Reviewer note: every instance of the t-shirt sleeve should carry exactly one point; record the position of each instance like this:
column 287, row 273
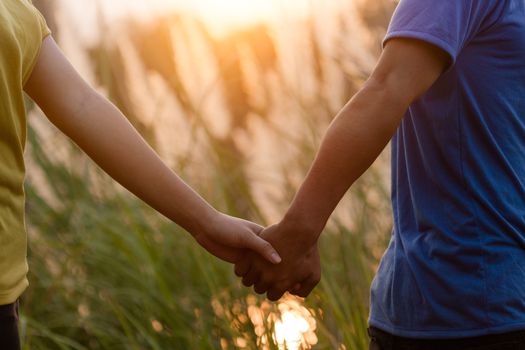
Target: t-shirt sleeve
column 447, row 24
column 42, row 31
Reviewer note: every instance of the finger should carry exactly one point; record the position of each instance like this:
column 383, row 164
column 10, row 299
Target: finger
column 261, row 247
column 275, row 294
column 296, row 288
column 277, row 290
column 308, row 285
column 243, row 266
column 251, row 277
column 299, row 287
column 262, row 286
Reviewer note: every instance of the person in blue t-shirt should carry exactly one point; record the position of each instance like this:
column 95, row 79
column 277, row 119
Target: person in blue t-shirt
column 449, row 92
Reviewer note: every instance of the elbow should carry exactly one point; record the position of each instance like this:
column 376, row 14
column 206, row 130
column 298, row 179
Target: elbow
column 387, row 93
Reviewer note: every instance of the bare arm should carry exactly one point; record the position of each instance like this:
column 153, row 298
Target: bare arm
column 406, row 69
column 358, row 134
column 101, row 130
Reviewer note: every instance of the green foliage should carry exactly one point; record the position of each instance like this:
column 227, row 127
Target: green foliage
column 107, row 272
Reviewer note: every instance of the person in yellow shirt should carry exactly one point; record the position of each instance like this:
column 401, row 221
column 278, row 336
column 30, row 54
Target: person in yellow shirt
column 31, row 61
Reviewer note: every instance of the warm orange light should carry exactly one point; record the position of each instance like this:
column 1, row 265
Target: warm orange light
column 225, row 15
column 221, row 16
column 294, row 325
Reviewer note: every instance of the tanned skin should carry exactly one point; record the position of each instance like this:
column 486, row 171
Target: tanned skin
column 104, row 134
column 406, row 69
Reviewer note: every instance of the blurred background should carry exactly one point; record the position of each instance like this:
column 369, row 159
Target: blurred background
column 235, row 95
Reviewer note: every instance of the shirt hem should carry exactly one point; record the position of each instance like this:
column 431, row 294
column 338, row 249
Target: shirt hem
column 426, row 37
column 34, row 60
column 445, row 334
column 9, row 297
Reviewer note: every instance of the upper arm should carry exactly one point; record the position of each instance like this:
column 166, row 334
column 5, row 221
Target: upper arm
column 407, row 68
column 55, row 85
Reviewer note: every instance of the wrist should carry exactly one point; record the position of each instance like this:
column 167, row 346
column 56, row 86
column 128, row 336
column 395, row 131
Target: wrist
column 307, row 226
column 203, row 221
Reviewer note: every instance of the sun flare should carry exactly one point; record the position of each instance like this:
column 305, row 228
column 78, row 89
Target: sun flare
column 226, row 15
column 221, row 16
column 235, row 10
column 294, row 325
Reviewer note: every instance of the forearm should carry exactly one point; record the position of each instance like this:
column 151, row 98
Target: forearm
column 353, row 141
column 101, row 130
column 104, row 134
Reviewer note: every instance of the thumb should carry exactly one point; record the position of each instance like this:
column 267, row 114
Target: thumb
column 262, row 247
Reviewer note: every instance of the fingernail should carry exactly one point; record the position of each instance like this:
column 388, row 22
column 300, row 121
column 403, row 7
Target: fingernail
column 275, row 258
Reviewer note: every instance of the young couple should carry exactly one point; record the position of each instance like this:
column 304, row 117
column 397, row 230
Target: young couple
column 448, row 91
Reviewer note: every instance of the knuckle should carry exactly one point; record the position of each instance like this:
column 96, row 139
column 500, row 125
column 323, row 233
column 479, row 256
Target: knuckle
column 247, row 282
column 316, row 280
column 261, row 286
column 275, row 294
column 273, row 297
column 242, row 240
column 260, row 289
column 303, row 294
column 241, row 268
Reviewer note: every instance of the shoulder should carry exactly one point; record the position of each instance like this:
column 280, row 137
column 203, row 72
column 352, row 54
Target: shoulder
column 23, row 27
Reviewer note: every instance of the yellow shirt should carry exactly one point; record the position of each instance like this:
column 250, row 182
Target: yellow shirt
column 22, row 29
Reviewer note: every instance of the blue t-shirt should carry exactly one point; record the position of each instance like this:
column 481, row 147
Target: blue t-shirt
column 455, row 265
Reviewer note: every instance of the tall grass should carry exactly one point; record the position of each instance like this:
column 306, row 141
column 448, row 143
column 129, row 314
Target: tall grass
column 107, row 272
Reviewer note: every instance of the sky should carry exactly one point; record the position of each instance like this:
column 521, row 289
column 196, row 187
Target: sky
column 221, row 16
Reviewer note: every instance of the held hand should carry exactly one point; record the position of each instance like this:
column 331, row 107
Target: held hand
column 228, row 238
column 299, row 272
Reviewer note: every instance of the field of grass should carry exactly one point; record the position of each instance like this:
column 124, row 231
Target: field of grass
column 107, row 272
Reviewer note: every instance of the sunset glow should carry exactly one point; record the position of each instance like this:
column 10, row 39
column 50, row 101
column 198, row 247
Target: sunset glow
column 220, row 16
column 229, row 14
